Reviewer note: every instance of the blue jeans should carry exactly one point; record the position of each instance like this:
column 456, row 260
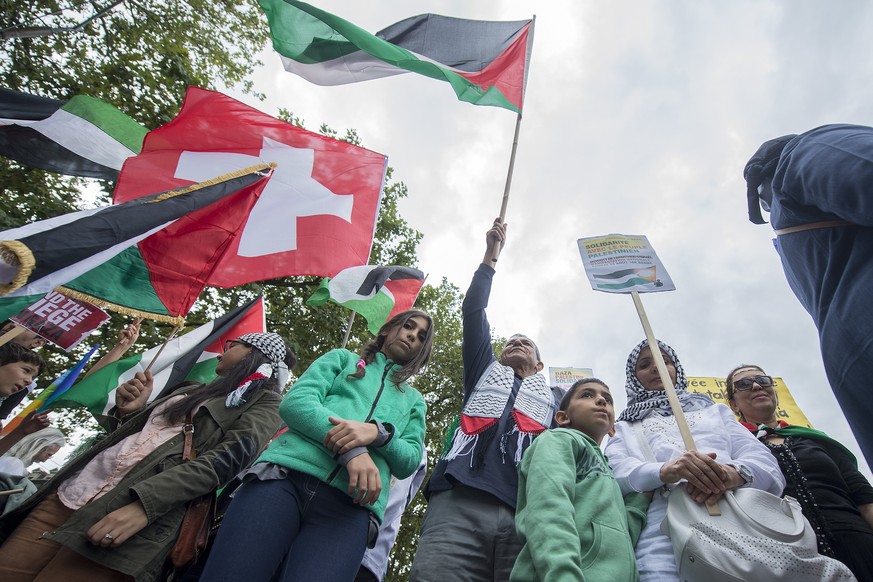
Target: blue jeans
column 298, row 528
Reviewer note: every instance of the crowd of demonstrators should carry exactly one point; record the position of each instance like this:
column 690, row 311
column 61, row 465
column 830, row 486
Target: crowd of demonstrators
column 647, row 453
column 571, row 517
column 819, row 472
column 353, row 421
column 113, row 512
column 521, row 492
column 468, row 532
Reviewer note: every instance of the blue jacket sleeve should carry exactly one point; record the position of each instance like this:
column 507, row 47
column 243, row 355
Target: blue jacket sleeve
column 476, row 348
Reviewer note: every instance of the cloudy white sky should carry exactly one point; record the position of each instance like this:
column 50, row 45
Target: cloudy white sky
column 639, row 118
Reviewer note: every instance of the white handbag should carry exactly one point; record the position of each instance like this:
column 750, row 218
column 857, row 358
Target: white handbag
column 758, row 536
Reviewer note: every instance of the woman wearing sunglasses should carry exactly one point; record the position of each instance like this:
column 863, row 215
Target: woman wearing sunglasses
column 820, row 472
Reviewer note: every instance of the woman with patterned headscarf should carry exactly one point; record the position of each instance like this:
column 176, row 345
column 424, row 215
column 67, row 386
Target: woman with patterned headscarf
column 114, row 512
column 647, row 453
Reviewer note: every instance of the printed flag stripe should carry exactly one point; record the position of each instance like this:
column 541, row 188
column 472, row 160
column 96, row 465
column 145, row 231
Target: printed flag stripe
column 82, row 137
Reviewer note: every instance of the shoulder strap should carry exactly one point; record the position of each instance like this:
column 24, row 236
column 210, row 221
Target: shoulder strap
column 188, row 452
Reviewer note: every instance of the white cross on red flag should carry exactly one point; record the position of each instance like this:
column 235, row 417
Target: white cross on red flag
column 317, row 214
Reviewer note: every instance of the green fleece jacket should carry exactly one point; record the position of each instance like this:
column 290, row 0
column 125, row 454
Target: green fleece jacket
column 571, row 518
column 326, row 390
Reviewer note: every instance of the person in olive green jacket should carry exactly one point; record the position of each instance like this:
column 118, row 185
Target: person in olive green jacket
column 571, row 518
column 114, row 512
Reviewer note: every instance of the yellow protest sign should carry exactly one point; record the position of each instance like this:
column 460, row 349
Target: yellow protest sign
column 564, row 377
column 716, row 388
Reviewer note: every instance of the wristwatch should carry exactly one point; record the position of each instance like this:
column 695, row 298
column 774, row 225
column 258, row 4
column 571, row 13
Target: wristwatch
column 744, row 472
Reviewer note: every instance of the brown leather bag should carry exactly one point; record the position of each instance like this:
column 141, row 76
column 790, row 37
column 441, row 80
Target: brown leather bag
column 194, row 534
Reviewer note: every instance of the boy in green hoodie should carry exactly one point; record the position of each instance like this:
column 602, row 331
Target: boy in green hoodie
column 571, row 517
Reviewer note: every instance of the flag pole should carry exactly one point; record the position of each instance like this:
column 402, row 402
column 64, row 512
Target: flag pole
column 670, row 390
column 158, row 355
column 348, row 329
column 11, row 334
column 511, row 168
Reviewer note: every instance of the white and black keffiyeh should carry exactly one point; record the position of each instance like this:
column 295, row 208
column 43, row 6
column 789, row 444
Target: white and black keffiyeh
column 642, row 403
column 271, row 345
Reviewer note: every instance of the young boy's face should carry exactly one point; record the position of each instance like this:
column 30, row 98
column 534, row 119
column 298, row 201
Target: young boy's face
column 16, row 376
column 590, row 410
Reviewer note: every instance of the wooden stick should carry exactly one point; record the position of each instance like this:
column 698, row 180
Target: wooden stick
column 11, row 491
column 495, row 248
column 348, row 329
column 672, row 397
column 11, row 335
column 158, row 355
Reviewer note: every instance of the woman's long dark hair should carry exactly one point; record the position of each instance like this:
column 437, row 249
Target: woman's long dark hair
column 225, row 384
column 413, row 366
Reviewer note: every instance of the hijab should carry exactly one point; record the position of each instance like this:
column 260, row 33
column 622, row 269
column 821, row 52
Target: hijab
column 642, row 403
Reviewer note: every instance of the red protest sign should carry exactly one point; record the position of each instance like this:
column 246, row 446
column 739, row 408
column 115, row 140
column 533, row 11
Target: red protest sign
column 60, row 319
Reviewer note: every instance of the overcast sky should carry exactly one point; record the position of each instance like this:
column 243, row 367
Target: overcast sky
column 639, row 118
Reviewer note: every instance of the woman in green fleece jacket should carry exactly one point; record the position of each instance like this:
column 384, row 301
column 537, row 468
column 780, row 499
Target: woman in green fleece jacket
column 306, row 508
column 571, row 518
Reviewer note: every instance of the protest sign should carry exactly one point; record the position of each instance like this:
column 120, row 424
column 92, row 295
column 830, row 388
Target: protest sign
column 62, row 320
column 618, row 263
column 563, row 378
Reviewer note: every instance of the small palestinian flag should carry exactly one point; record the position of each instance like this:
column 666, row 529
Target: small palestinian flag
column 80, row 137
column 191, row 356
column 377, row 293
column 624, row 278
column 484, row 61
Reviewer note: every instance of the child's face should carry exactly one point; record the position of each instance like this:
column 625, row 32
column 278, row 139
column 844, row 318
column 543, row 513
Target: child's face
column 591, row 411
column 16, row 376
column 403, row 342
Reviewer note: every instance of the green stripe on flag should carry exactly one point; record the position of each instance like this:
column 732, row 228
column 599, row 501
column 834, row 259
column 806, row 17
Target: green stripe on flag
column 109, row 119
column 123, row 282
column 203, row 371
column 9, row 306
column 93, row 391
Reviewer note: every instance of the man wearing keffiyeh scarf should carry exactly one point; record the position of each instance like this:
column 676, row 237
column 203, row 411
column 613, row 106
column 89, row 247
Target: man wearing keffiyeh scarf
column 469, row 529
column 817, row 187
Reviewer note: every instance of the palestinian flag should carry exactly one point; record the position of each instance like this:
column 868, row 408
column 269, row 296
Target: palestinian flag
column 107, row 256
column 486, row 62
column 626, row 278
column 377, row 293
column 317, row 213
column 80, row 137
column 187, row 357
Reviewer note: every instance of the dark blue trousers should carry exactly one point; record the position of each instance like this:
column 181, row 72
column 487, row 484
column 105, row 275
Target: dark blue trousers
column 294, row 529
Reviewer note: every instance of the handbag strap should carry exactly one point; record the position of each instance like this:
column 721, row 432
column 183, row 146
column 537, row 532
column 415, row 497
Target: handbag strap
column 188, row 452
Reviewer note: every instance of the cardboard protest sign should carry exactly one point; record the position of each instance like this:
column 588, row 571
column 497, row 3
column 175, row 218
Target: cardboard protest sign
column 563, row 378
column 62, row 320
column 618, row 263
column 716, row 388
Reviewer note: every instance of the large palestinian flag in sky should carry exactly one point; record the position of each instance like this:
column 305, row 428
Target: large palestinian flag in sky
column 484, row 61
column 80, row 137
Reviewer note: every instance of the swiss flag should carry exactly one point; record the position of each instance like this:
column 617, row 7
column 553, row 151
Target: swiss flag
column 317, row 214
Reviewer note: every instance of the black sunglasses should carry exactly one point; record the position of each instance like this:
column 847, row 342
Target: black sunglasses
column 746, row 383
